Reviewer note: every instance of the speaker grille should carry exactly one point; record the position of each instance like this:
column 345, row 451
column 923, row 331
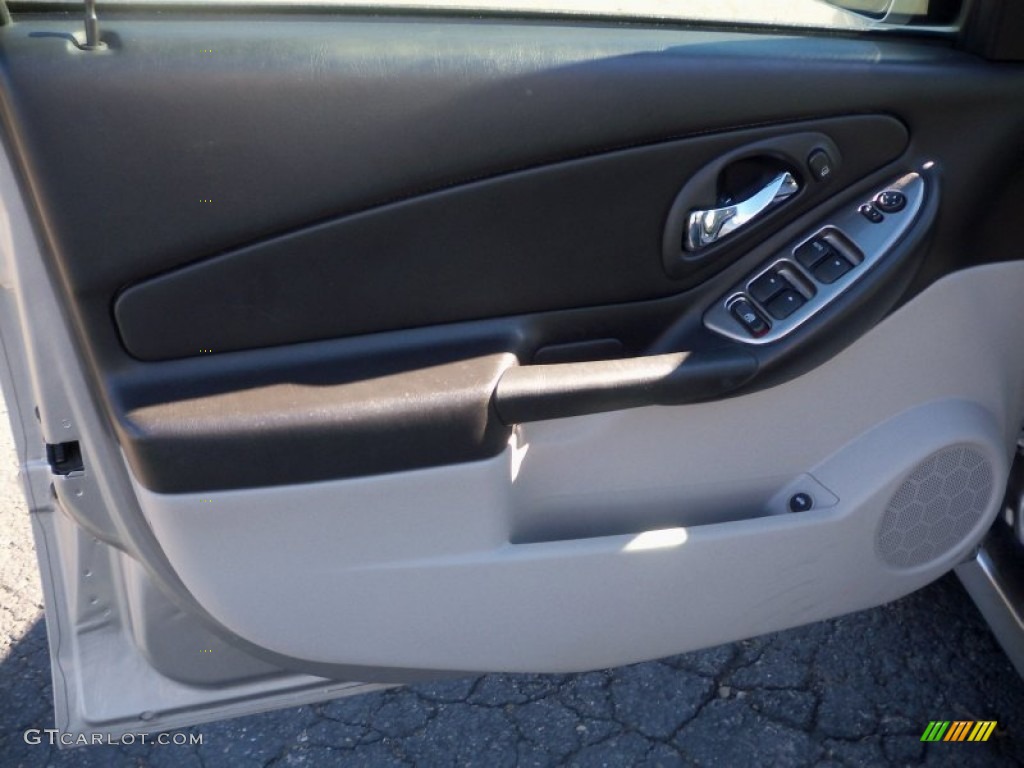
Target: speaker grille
column 936, row 507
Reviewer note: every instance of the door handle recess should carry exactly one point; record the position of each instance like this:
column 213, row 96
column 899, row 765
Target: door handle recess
column 538, row 392
column 706, row 227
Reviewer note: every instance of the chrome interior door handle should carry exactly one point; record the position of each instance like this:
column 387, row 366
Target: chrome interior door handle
column 707, row 227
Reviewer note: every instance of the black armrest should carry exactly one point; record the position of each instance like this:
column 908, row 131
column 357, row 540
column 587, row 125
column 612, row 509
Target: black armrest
column 537, row 392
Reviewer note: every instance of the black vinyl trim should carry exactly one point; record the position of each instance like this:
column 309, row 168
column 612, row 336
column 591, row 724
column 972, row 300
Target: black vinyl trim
column 579, row 233
column 538, row 392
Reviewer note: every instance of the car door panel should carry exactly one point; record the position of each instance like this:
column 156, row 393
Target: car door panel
column 372, row 349
column 578, row 543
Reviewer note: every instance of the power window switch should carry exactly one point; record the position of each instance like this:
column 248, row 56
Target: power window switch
column 767, row 286
column 831, row 269
column 785, row 304
column 813, row 251
column 749, row 317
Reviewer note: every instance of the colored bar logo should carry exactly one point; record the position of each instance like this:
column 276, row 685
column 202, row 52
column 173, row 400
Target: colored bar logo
column 958, row 730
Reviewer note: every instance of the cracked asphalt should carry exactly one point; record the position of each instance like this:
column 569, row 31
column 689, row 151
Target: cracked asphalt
column 855, row 691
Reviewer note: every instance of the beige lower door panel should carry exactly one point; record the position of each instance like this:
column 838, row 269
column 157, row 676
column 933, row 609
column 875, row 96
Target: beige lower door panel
column 607, row 539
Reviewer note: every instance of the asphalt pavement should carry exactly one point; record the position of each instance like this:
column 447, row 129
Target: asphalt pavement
column 855, row 691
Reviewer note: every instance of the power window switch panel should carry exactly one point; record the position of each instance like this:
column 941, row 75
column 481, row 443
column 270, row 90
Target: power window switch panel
column 785, row 304
column 749, row 317
column 831, row 269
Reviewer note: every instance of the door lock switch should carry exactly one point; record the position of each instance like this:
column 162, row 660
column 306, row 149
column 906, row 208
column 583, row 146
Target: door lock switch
column 767, row 286
column 821, row 165
column 872, row 214
column 831, row 269
column 785, row 304
column 749, row 317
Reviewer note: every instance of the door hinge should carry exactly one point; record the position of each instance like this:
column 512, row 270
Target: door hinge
column 64, row 458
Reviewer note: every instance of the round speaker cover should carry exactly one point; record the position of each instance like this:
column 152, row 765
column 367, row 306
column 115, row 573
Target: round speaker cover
column 937, row 506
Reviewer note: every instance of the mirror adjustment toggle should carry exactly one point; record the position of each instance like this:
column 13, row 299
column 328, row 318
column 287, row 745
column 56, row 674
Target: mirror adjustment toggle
column 891, row 201
column 785, row 304
column 743, row 311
